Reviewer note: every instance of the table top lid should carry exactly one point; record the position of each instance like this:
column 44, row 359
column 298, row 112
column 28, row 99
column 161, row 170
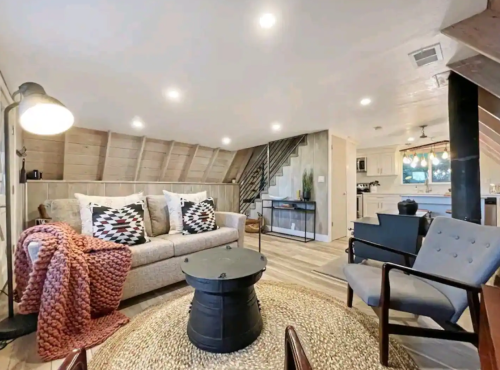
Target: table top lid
column 223, row 263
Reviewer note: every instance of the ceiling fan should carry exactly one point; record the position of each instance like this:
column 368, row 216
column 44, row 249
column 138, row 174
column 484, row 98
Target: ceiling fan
column 423, row 136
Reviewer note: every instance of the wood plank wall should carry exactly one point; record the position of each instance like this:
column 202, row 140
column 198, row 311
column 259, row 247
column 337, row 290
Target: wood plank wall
column 94, row 155
column 225, row 195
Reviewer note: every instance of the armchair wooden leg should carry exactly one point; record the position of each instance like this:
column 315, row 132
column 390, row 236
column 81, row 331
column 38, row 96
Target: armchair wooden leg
column 349, row 296
column 384, row 336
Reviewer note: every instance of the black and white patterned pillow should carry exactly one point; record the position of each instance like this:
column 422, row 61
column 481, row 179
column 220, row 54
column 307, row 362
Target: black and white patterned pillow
column 124, row 225
column 198, row 217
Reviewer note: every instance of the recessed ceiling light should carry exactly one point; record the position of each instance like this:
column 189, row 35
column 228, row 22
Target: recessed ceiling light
column 267, row 20
column 276, row 126
column 173, row 94
column 365, row 101
column 137, row 123
column 411, row 139
column 226, row 140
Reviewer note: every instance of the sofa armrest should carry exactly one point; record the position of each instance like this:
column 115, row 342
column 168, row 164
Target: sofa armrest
column 235, row 221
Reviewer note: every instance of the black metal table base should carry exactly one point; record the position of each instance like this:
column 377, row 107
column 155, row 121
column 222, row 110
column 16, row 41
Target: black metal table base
column 224, row 322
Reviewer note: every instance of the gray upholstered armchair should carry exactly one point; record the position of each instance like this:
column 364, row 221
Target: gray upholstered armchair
column 455, row 259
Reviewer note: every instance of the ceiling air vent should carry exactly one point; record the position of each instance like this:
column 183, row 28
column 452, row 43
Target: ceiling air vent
column 426, row 55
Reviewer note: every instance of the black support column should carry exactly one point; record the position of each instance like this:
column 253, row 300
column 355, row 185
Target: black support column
column 464, row 149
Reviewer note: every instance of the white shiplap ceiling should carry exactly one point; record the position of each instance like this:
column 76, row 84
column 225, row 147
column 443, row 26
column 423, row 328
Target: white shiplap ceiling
column 110, row 61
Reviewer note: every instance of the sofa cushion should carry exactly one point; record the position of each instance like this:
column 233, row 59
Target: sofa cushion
column 158, row 212
column 156, row 250
column 65, row 210
column 186, row 244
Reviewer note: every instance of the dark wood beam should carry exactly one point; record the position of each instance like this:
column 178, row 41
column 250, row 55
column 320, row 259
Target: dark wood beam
column 479, row 32
column 464, row 149
column 483, row 71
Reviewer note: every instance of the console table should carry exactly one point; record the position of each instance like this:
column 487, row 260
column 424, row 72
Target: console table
column 299, row 206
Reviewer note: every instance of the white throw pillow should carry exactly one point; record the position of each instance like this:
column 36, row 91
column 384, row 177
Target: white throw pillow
column 175, row 209
column 114, row 202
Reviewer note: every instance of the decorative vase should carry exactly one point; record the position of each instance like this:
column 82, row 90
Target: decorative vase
column 306, row 195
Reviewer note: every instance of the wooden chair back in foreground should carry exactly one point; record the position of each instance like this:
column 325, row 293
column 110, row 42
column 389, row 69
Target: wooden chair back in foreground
column 76, row 360
column 295, row 357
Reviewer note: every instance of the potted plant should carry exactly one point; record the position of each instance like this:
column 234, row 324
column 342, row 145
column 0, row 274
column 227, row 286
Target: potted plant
column 307, row 185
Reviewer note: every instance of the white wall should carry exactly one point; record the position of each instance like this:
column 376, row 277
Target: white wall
column 490, row 173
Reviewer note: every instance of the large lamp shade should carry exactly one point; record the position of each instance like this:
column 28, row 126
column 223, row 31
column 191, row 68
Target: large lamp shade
column 40, row 113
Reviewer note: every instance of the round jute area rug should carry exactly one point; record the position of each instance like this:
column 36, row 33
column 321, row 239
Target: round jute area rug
column 334, row 337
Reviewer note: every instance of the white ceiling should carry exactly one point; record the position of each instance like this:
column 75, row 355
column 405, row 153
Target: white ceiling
column 109, row 61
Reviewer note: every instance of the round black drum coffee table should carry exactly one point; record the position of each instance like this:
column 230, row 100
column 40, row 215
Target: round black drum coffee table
column 225, row 314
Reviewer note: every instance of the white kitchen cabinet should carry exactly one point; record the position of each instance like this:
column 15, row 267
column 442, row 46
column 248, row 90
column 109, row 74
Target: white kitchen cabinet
column 371, row 207
column 372, row 204
column 381, row 164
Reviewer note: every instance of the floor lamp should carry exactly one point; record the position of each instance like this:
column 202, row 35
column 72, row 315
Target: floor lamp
column 39, row 114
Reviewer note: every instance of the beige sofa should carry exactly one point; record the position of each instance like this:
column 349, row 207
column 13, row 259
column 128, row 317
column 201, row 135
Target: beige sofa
column 157, row 264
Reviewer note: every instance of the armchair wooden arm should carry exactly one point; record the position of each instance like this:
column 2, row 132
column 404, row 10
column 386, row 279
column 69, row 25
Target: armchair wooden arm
column 295, row 357
column 350, row 250
column 76, row 360
column 472, row 290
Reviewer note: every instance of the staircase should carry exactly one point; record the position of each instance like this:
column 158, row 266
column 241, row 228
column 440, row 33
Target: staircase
column 266, row 163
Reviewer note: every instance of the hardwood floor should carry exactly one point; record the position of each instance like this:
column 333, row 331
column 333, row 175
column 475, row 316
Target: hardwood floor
column 288, row 261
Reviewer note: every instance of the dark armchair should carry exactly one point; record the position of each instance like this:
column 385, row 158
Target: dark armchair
column 455, row 259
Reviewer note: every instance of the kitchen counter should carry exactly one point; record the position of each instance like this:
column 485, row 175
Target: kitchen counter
column 427, row 195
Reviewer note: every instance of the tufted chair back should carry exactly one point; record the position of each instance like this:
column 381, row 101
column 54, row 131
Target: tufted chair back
column 462, row 251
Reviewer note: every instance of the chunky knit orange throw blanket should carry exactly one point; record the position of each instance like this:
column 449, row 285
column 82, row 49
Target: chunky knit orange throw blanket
column 75, row 285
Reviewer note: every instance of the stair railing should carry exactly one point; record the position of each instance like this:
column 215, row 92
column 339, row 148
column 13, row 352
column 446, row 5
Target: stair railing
column 260, row 171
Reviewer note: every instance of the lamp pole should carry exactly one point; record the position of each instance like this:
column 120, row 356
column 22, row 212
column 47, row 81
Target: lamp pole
column 13, row 326
column 40, row 121
column 8, row 207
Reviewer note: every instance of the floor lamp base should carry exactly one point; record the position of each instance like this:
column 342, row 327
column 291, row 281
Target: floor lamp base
column 17, row 326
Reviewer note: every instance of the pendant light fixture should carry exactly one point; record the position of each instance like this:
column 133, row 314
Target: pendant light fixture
column 423, row 163
column 406, row 160
column 445, row 153
column 432, row 155
column 415, row 158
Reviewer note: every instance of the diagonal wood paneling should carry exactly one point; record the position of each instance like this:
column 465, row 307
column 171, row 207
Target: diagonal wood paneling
column 489, row 142
column 85, row 154
column 485, row 150
column 489, row 103
column 210, row 164
column 166, row 160
column 483, row 71
column 479, row 32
